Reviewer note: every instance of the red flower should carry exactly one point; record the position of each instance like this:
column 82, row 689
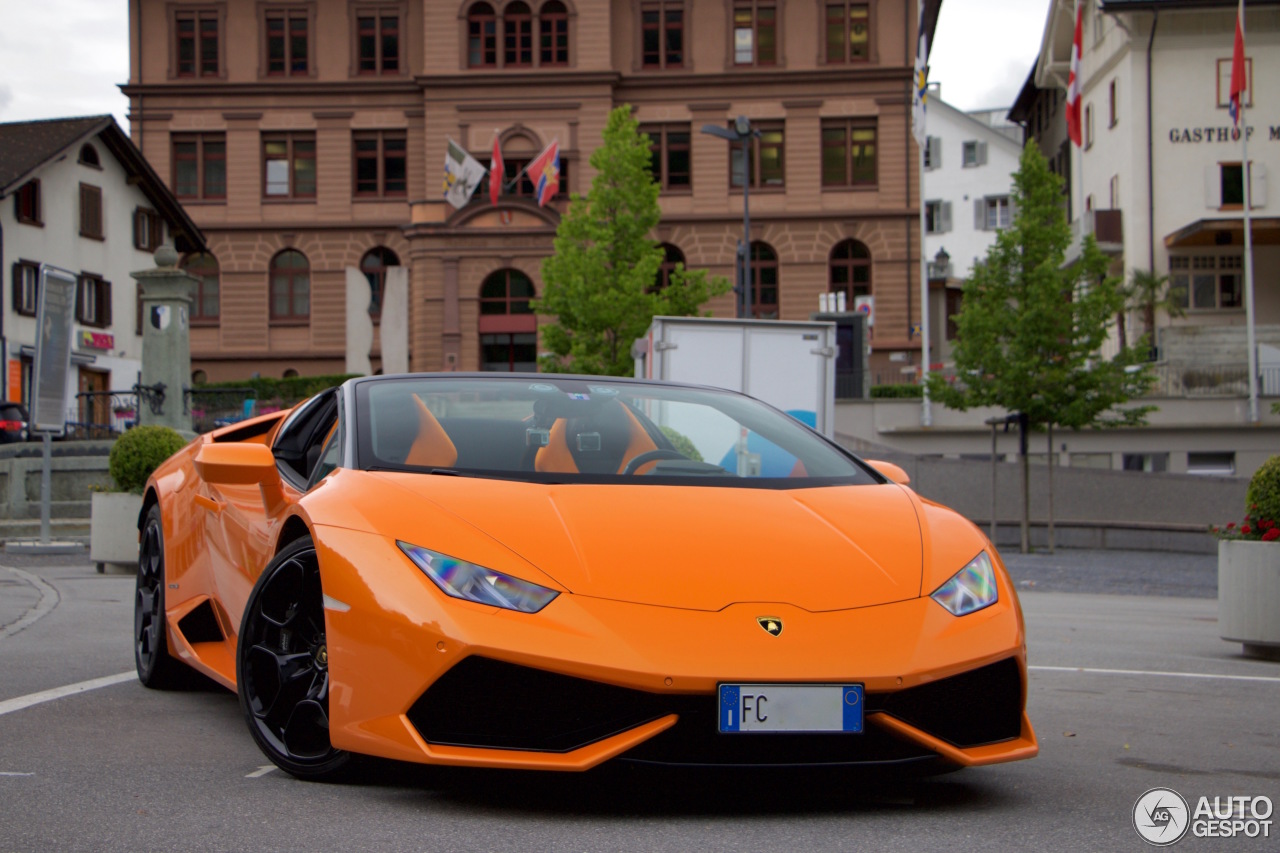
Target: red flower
column 1267, row 525
column 1253, row 506
column 1231, row 525
column 1271, row 535
column 1246, row 529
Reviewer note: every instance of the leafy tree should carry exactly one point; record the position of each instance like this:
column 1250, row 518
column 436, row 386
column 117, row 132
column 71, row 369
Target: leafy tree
column 600, row 282
column 1030, row 329
column 1149, row 293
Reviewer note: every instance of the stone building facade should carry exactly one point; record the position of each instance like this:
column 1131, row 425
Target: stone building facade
column 307, row 137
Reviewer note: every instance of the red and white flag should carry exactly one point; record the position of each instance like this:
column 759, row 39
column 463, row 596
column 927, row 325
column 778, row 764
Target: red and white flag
column 497, row 170
column 1073, row 82
column 1238, row 82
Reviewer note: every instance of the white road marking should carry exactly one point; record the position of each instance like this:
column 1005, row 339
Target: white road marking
column 48, row 601
column 1210, row 675
column 10, row 773
column 8, row 706
column 261, row 771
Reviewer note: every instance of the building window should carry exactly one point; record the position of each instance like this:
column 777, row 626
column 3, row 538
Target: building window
column 1214, row 463
column 662, row 34
column 91, row 212
column 1115, row 192
column 848, row 32
column 1088, row 126
column 1232, row 184
column 380, row 163
column 553, row 34
column 378, row 41
column 524, row 188
column 932, row 153
column 1206, row 282
column 374, row 266
column 508, row 326
column 765, row 164
column 26, row 288
column 848, row 153
column 289, row 165
column 937, row 217
column 517, row 36
column 1113, row 114
column 205, row 301
column 93, row 301
column 954, row 305
column 26, row 203
column 290, row 287
column 482, row 36
column 764, row 281
column 669, row 155
column 672, row 260
column 973, row 153
column 1224, row 83
column 196, row 48
column 755, row 33
column 89, row 157
column 1151, row 463
column 849, row 271
column 148, row 229
column 200, row 166
column 287, row 42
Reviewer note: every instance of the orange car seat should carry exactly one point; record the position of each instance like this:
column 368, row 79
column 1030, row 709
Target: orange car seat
column 621, row 439
column 432, row 447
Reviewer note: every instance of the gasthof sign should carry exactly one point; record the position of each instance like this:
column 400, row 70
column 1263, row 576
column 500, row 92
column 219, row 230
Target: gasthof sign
column 52, row 367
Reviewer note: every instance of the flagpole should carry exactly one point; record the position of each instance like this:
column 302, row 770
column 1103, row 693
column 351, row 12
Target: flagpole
column 926, row 407
column 1248, row 255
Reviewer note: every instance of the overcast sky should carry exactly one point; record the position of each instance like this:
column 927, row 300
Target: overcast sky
column 66, row 57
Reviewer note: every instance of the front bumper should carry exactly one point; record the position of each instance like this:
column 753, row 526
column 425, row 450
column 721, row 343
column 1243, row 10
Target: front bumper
column 417, row 676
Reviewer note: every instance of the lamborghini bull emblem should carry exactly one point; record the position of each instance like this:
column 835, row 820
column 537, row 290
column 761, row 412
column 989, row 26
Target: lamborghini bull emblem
column 771, row 624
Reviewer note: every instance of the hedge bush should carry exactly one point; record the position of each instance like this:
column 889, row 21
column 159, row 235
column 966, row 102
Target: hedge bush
column 1263, row 497
column 139, row 452
column 897, row 391
column 283, row 392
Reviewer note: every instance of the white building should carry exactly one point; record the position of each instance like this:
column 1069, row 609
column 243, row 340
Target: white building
column 969, row 166
column 77, row 194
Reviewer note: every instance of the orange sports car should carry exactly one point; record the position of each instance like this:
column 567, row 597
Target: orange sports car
column 550, row 572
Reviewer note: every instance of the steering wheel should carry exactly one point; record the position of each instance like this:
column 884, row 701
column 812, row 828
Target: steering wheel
column 650, row 456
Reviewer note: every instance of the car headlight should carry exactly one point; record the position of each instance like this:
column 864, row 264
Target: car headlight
column 460, row 579
column 970, row 589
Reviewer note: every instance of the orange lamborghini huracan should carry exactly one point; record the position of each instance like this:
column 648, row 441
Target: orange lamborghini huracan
column 550, row 572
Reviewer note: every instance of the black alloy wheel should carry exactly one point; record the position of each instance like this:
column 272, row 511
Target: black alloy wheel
column 157, row 669
column 282, row 666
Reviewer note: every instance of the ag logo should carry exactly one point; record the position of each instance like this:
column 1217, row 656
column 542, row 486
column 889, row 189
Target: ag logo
column 1161, row 817
column 772, row 624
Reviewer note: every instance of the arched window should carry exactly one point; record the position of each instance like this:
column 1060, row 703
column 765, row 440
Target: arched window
column 517, row 36
column 290, row 287
column 290, row 373
column 89, row 156
column 671, row 257
column 374, row 266
column 205, row 301
column 764, row 281
column 553, row 34
column 199, row 377
column 850, row 271
column 482, row 36
column 508, row 326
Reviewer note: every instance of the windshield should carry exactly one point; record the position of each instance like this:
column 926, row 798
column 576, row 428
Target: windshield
column 555, row 429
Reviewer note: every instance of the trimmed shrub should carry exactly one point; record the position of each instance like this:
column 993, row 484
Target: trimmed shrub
column 139, row 452
column 897, row 391
column 282, row 392
column 1263, row 498
column 682, row 443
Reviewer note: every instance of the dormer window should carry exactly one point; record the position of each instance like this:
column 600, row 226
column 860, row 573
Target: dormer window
column 89, row 157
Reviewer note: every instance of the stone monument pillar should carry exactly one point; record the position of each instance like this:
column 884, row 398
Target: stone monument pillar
column 166, row 342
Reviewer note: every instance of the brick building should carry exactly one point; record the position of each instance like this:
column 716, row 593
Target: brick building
column 307, row 137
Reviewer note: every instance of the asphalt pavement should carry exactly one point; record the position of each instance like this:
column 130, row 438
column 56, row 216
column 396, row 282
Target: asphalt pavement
column 1127, row 692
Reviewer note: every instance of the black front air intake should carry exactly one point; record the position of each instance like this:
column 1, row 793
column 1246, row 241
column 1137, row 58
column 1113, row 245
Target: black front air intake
column 970, row 709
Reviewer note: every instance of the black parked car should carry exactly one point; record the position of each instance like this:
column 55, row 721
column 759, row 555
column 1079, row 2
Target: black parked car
column 13, row 423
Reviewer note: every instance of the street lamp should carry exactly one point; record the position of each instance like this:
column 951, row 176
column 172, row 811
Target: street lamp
column 741, row 132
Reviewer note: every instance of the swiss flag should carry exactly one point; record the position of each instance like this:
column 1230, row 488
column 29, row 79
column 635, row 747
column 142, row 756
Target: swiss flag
column 1073, row 82
column 1238, row 82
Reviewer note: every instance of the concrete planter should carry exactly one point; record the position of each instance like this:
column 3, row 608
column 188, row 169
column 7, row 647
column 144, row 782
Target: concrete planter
column 1249, row 595
column 113, row 528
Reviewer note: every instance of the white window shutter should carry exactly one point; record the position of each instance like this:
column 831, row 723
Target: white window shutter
column 1212, row 187
column 945, row 210
column 935, row 152
column 982, row 153
column 980, row 214
column 1258, row 185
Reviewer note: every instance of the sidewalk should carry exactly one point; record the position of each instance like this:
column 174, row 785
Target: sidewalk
column 1159, row 573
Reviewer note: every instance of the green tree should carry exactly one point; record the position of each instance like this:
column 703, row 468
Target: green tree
column 1148, row 293
column 1030, row 328
column 600, row 283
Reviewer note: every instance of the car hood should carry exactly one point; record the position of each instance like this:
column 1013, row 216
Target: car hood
column 695, row 547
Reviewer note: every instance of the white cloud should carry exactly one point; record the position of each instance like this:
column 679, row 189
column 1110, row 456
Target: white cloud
column 984, row 49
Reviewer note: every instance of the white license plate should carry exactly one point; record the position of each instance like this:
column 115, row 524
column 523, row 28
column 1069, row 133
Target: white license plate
column 790, row 708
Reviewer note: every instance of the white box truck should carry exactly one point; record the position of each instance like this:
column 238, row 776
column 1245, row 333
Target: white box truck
column 789, row 365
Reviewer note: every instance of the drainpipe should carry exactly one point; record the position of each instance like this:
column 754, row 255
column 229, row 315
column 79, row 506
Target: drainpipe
column 1151, row 186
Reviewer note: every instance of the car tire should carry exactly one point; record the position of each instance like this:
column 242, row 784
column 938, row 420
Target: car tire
column 157, row 668
column 282, row 671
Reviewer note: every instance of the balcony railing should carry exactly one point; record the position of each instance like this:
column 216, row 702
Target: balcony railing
column 106, row 414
